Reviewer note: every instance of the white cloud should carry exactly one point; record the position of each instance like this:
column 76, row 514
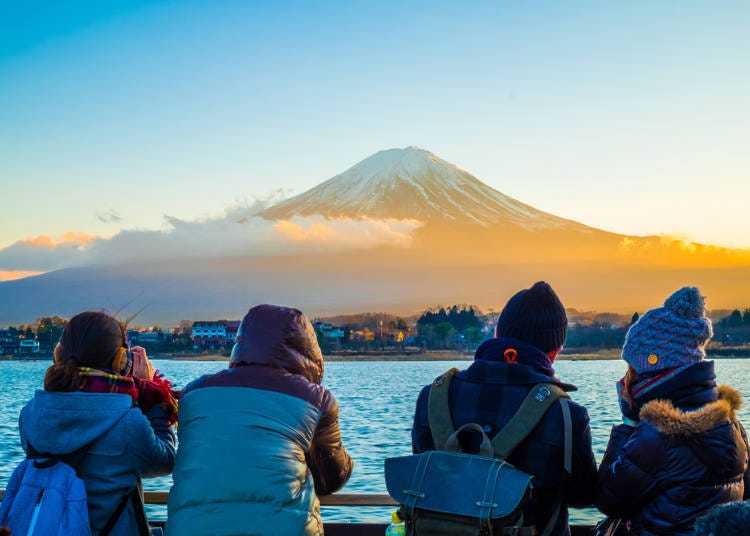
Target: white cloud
column 238, row 233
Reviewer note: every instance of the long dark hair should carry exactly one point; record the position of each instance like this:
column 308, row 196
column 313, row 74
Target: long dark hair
column 627, row 382
column 90, row 339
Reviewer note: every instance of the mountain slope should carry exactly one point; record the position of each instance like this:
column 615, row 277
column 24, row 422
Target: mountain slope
column 412, row 183
column 476, row 245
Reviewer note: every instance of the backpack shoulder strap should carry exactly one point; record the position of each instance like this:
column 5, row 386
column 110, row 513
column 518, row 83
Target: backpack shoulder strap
column 134, row 496
column 567, row 459
column 523, row 422
column 439, row 409
column 72, row 459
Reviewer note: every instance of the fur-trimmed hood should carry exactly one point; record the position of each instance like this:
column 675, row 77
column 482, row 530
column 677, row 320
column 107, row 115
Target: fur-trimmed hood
column 673, row 421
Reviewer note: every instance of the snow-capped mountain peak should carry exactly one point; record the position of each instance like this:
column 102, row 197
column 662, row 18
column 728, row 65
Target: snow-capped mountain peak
column 412, row 183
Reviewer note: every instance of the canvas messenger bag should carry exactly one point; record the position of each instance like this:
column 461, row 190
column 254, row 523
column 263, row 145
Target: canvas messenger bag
column 448, row 492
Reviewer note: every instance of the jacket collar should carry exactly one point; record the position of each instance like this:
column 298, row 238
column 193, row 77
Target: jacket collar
column 672, row 421
column 530, row 366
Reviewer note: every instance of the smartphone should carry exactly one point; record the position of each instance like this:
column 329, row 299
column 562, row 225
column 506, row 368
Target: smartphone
column 127, row 370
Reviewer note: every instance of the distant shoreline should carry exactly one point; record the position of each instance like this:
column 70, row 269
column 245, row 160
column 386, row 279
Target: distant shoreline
column 416, row 356
column 358, row 357
column 599, row 355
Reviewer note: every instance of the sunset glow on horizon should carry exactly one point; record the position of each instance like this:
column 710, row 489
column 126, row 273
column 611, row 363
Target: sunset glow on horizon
column 14, row 275
column 631, row 118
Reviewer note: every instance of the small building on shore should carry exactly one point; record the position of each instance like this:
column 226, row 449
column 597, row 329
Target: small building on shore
column 28, row 347
column 213, row 334
column 9, row 342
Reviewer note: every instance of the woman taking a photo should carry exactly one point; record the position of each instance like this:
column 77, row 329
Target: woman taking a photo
column 110, row 409
column 680, row 449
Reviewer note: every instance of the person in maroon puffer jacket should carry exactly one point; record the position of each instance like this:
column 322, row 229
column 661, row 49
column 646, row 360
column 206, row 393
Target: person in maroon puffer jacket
column 259, row 441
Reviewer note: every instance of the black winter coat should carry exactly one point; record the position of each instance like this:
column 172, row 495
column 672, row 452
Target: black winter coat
column 489, row 393
column 674, row 465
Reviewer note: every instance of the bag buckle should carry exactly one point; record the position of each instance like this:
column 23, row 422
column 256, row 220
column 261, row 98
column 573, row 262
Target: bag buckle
column 440, row 380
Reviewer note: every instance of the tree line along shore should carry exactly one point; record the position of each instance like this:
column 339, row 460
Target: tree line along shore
column 438, row 333
column 445, row 355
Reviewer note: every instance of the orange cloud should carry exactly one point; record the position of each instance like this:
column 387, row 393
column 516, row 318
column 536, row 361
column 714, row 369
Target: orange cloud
column 12, row 275
column 347, row 232
column 70, row 237
column 315, row 232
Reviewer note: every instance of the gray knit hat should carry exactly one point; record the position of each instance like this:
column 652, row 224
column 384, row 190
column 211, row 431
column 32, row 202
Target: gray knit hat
column 669, row 336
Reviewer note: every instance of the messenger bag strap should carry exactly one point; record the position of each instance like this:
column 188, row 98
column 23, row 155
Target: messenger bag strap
column 531, row 411
column 415, row 492
column 552, row 521
column 488, row 497
column 567, row 461
column 439, row 409
column 567, row 436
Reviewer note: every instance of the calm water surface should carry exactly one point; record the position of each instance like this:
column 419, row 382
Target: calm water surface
column 376, row 401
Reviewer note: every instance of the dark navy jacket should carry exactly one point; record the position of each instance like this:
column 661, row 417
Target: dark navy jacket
column 674, row 465
column 489, row 393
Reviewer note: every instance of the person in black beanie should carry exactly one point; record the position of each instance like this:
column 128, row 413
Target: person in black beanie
column 530, row 332
column 536, row 316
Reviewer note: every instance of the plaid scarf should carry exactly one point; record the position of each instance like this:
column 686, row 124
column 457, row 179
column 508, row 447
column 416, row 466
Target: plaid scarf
column 106, row 381
column 157, row 392
column 146, row 394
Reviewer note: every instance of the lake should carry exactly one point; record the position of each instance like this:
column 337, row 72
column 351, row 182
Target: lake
column 376, row 400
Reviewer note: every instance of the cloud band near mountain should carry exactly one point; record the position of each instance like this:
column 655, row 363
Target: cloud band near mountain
column 221, row 237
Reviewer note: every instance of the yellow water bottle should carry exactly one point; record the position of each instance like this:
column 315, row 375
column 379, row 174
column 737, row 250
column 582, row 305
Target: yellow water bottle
column 397, row 527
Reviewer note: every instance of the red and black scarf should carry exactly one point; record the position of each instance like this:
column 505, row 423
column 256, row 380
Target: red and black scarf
column 145, row 393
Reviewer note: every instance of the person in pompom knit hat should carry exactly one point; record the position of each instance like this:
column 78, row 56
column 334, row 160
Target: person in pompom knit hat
column 530, row 332
column 680, row 449
column 725, row 520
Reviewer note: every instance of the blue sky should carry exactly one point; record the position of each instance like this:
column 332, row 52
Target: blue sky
column 629, row 116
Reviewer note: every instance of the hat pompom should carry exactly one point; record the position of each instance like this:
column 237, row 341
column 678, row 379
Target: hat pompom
column 687, row 303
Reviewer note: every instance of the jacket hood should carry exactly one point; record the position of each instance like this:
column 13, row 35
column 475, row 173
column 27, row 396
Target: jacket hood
column 712, row 433
column 61, row 423
column 672, row 421
column 279, row 337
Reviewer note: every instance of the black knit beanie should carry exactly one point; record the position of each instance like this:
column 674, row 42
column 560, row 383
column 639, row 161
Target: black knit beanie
column 535, row 316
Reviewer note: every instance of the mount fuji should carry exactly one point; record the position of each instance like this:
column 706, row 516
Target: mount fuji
column 468, row 243
column 413, row 183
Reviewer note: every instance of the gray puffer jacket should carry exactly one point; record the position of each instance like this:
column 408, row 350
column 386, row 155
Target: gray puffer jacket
column 260, row 441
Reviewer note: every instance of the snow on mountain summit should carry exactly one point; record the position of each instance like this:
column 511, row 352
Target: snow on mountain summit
column 412, row 183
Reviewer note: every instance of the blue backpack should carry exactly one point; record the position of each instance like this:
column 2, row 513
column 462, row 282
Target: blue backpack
column 46, row 497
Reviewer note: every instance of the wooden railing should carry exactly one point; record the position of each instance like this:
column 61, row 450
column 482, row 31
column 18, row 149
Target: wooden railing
column 339, row 499
column 332, row 529
column 345, row 499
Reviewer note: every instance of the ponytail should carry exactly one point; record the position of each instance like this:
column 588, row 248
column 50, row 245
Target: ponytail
column 62, row 377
